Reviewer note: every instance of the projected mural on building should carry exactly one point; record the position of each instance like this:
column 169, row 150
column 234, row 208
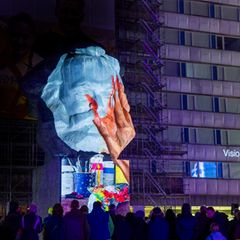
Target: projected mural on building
column 91, row 115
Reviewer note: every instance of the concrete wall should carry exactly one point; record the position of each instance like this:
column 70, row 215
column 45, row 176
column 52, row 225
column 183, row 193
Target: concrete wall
column 46, row 185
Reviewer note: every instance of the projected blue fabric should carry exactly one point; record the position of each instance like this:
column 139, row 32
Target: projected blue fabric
column 87, row 71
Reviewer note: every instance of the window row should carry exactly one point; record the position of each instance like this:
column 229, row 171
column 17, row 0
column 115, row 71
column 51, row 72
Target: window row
column 187, row 102
column 202, row 71
column 199, row 169
column 203, row 136
column 204, row 9
column 203, row 103
column 201, row 39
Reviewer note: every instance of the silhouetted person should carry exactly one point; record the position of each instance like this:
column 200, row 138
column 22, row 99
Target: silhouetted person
column 219, row 218
column 75, row 226
column 202, row 228
column 122, row 228
column 186, row 224
column 31, row 224
column 98, row 221
column 234, row 226
column 84, row 209
column 12, row 222
column 46, row 219
column 141, row 226
column 215, row 233
column 171, row 219
column 131, row 220
column 53, row 229
column 158, row 228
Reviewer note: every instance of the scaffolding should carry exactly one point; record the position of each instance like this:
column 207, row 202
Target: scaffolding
column 141, row 51
column 19, row 155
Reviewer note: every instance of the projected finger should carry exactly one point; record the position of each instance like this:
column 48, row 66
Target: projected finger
column 118, row 109
column 124, row 103
column 122, row 95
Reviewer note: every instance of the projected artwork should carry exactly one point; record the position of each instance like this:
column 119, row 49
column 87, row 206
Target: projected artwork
column 204, row 170
column 92, row 178
column 91, row 115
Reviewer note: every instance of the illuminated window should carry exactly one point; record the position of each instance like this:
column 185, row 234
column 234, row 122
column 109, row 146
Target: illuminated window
column 203, row 169
column 219, row 170
column 224, row 170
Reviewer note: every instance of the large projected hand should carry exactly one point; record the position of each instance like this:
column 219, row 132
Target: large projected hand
column 116, row 127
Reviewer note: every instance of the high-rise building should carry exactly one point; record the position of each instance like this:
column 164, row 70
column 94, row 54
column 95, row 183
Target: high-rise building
column 181, row 65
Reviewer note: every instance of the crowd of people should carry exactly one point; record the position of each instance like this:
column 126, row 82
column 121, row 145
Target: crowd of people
column 119, row 224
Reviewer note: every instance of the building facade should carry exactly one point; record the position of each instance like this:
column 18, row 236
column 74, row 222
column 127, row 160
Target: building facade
column 182, row 70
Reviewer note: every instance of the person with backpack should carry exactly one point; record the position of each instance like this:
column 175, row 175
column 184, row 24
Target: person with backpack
column 53, row 229
column 31, row 224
